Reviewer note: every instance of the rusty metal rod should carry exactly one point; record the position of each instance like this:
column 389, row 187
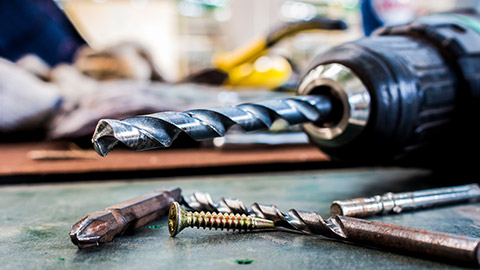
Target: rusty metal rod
column 405, row 201
column 440, row 245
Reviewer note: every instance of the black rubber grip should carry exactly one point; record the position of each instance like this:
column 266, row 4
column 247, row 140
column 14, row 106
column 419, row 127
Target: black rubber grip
column 432, row 105
column 413, row 96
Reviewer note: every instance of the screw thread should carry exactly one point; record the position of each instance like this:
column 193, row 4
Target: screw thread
column 179, row 219
column 220, row 221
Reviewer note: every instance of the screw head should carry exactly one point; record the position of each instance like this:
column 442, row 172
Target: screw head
column 176, row 219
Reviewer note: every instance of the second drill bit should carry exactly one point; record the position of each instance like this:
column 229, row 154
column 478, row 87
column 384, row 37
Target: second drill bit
column 445, row 246
column 160, row 129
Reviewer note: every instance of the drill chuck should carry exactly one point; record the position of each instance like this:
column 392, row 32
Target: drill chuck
column 393, row 93
column 402, row 94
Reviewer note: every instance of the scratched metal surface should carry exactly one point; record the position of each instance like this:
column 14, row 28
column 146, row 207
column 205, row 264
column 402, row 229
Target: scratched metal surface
column 35, row 221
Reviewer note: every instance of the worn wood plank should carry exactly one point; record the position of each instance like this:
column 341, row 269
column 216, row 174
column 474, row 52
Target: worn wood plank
column 15, row 160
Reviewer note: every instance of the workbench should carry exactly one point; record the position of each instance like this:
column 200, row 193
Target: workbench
column 35, row 221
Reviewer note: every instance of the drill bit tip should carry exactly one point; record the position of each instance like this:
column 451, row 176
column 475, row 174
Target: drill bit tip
column 107, row 135
column 100, row 147
column 102, row 141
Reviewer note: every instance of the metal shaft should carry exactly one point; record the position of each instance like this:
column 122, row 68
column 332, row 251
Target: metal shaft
column 443, row 246
column 406, row 201
column 160, row 129
column 446, row 246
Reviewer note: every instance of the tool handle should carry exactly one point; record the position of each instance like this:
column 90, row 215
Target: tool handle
column 445, row 246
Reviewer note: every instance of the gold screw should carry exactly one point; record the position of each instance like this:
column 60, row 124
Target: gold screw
column 179, row 219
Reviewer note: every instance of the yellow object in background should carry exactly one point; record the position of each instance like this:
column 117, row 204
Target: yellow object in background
column 251, row 65
column 266, row 71
column 228, row 60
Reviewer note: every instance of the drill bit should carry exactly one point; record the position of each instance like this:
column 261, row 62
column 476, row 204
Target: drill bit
column 160, row 129
column 451, row 247
column 405, row 201
column 102, row 226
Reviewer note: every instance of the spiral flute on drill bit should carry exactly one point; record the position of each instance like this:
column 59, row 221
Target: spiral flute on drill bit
column 307, row 222
column 444, row 246
column 161, row 129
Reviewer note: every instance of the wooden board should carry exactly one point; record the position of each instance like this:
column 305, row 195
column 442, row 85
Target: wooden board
column 15, row 159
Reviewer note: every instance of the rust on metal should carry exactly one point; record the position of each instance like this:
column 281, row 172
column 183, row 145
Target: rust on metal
column 423, row 243
column 452, row 247
column 102, row 226
column 406, row 201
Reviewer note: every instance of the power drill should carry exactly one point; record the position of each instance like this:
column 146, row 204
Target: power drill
column 407, row 94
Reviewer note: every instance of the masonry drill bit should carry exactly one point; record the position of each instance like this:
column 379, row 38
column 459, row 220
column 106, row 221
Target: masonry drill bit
column 159, row 130
column 102, row 226
column 444, row 246
column 405, row 201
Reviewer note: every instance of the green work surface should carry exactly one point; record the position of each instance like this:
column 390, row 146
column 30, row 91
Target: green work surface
column 35, row 222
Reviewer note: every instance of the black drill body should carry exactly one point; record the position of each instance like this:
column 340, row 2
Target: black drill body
column 424, row 85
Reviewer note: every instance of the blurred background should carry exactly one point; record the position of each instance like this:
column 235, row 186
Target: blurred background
column 183, row 35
